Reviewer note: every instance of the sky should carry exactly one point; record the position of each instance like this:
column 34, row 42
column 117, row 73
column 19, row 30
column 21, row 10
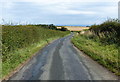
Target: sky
column 58, row 12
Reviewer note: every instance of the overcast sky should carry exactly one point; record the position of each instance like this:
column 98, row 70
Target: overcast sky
column 59, row 12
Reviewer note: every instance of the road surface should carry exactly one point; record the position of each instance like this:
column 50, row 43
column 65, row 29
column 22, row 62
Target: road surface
column 60, row 60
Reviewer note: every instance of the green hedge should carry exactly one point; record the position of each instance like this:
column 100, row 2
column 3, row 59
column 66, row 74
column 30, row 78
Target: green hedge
column 17, row 37
column 108, row 32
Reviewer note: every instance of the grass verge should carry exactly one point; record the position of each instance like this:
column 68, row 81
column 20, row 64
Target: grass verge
column 107, row 55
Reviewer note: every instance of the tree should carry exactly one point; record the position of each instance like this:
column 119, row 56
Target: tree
column 64, row 29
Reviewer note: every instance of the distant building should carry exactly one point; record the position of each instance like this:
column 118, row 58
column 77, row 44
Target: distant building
column 119, row 10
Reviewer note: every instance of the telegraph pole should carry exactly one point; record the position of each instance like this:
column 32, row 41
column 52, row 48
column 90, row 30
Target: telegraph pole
column 119, row 10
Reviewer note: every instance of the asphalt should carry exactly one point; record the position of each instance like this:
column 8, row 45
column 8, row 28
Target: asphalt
column 60, row 60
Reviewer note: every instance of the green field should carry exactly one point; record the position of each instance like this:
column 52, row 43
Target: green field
column 20, row 42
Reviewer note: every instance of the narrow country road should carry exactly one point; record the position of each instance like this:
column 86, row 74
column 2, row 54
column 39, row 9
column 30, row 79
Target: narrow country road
column 60, row 60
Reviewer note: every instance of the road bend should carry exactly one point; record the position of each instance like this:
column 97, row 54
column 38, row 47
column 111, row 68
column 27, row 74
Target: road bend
column 60, row 60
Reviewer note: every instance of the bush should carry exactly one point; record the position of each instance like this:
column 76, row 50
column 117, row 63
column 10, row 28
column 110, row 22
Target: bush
column 63, row 29
column 17, row 37
column 108, row 32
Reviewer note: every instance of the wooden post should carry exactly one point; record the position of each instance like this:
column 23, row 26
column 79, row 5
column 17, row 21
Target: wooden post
column 119, row 11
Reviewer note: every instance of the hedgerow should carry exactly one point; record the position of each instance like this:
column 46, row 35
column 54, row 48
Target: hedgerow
column 108, row 32
column 17, row 37
column 102, row 43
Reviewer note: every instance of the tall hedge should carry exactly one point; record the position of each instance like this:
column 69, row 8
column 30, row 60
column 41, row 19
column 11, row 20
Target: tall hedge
column 16, row 37
column 108, row 32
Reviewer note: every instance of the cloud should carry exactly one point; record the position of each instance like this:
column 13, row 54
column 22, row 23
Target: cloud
column 48, row 2
column 7, row 4
column 64, row 9
column 54, row 1
column 76, row 12
column 73, row 12
column 60, row 11
column 54, row 6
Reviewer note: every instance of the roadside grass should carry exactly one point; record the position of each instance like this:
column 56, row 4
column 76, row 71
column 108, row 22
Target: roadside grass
column 107, row 55
column 19, row 56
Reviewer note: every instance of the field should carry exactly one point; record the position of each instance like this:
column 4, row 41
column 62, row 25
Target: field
column 75, row 28
column 20, row 42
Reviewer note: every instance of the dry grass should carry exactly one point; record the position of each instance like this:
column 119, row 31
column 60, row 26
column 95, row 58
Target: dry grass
column 74, row 28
